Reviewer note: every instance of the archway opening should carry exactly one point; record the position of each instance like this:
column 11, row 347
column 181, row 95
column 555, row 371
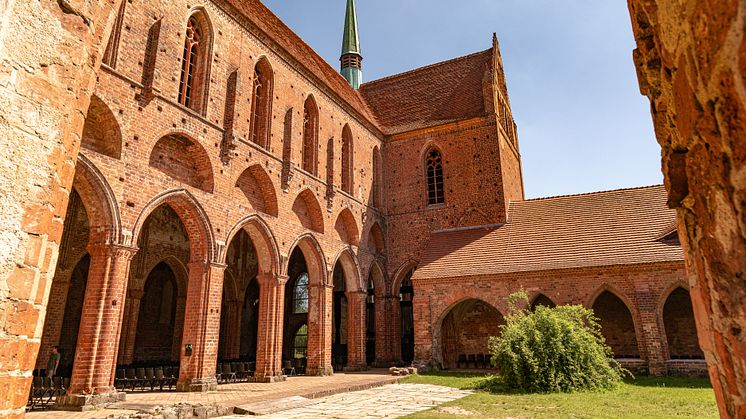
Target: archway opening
column 295, row 339
column 542, row 300
column 465, row 334
column 340, row 319
column 239, row 319
column 406, row 296
column 617, row 325
column 154, row 342
column 67, row 293
column 681, row 329
column 156, row 287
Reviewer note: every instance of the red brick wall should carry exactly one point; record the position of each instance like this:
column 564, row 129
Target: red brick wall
column 642, row 288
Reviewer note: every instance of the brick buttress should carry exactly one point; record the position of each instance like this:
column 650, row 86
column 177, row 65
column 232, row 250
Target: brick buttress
column 271, row 310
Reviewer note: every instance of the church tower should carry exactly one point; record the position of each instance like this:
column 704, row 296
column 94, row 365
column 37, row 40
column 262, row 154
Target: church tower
column 352, row 61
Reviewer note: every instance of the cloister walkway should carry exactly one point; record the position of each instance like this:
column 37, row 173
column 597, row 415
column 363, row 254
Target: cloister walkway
column 237, row 394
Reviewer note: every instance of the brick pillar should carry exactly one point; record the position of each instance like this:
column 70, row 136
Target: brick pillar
column 385, row 330
column 423, row 328
column 49, row 57
column 234, row 349
column 651, row 340
column 201, row 327
column 320, row 329
column 178, row 328
column 271, row 319
column 356, row 331
column 92, row 382
column 129, row 327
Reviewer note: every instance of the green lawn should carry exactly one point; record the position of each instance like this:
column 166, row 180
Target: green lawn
column 643, row 397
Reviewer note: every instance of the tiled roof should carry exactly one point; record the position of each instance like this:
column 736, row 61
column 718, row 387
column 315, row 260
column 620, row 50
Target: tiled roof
column 275, row 29
column 619, row 227
column 429, row 96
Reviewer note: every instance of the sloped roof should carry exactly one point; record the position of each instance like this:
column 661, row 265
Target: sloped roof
column 279, row 32
column 429, row 96
column 619, row 227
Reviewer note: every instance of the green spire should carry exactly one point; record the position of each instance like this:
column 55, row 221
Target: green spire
column 352, row 61
column 351, row 39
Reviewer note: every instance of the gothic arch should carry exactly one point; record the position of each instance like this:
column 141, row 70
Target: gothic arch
column 541, row 299
column 314, row 257
column 679, row 325
column 376, row 240
column 186, row 206
column 618, row 324
column 346, row 228
column 257, row 187
column 99, row 201
column 101, row 132
column 348, row 161
column 263, row 240
column 310, row 149
column 346, row 258
column 376, row 272
column 196, row 73
column 306, row 207
column 452, row 338
column 261, row 103
column 183, row 159
column 400, row 273
column 178, row 268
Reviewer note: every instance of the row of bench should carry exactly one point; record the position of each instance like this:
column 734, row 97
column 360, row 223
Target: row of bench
column 470, row 361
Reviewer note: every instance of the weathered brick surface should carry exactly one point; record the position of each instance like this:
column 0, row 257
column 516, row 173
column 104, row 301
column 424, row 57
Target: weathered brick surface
column 176, row 186
column 691, row 61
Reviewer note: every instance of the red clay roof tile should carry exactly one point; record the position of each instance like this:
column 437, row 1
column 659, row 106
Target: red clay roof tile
column 600, row 229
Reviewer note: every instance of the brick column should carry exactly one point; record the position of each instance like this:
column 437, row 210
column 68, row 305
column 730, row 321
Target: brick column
column 271, row 319
column 385, row 330
column 234, row 329
column 129, row 327
column 92, row 381
column 201, row 327
column 320, row 330
column 356, row 331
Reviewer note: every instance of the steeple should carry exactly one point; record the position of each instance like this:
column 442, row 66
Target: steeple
column 352, row 61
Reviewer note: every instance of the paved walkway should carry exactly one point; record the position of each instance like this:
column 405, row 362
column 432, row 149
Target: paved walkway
column 238, row 394
column 390, row 401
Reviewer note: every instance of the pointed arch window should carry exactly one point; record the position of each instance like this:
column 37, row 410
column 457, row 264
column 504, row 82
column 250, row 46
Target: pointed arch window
column 434, row 175
column 376, row 185
column 261, row 103
column 195, row 63
column 310, row 136
column 347, row 160
column 300, row 295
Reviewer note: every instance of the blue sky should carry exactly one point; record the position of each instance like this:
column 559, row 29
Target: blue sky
column 583, row 125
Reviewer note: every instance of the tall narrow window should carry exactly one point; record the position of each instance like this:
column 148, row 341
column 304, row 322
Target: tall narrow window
column 195, row 62
column 310, row 136
column 376, row 185
column 112, row 48
column 261, row 103
column 300, row 343
column 434, row 173
column 347, row 160
column 300, row 295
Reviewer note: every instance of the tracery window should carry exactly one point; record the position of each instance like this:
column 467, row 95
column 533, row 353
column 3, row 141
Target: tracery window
column 434, row 174
column 261, row 104
column 300, row 295
column 310, row 136
column 194, row 64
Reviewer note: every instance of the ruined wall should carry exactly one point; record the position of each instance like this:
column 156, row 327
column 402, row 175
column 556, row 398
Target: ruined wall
column 49, row 53
column 691, row 61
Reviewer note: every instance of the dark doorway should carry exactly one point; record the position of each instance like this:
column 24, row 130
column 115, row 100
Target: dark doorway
column 370, row 323
column 155, row 328
column 406, row 295
column 339, row 320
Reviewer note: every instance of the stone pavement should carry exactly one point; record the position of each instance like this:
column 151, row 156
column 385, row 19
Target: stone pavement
column 390, row 401
column 238, row 394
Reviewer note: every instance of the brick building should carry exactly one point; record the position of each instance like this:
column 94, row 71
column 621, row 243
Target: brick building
column 235, row 197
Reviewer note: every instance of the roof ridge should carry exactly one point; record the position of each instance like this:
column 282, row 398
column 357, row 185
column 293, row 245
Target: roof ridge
column 633, row 188
column 426, row 67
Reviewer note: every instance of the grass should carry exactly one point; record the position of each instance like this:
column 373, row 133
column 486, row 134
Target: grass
column 643, row 397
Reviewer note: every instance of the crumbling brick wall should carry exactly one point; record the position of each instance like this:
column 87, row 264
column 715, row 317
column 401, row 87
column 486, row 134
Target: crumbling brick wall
column 691, row 61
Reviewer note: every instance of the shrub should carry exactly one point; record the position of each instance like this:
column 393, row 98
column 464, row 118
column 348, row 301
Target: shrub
column 557, row 349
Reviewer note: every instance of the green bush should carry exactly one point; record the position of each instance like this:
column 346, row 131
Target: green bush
column 553, row 350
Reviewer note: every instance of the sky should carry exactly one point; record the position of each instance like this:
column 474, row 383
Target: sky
column 583, row 125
